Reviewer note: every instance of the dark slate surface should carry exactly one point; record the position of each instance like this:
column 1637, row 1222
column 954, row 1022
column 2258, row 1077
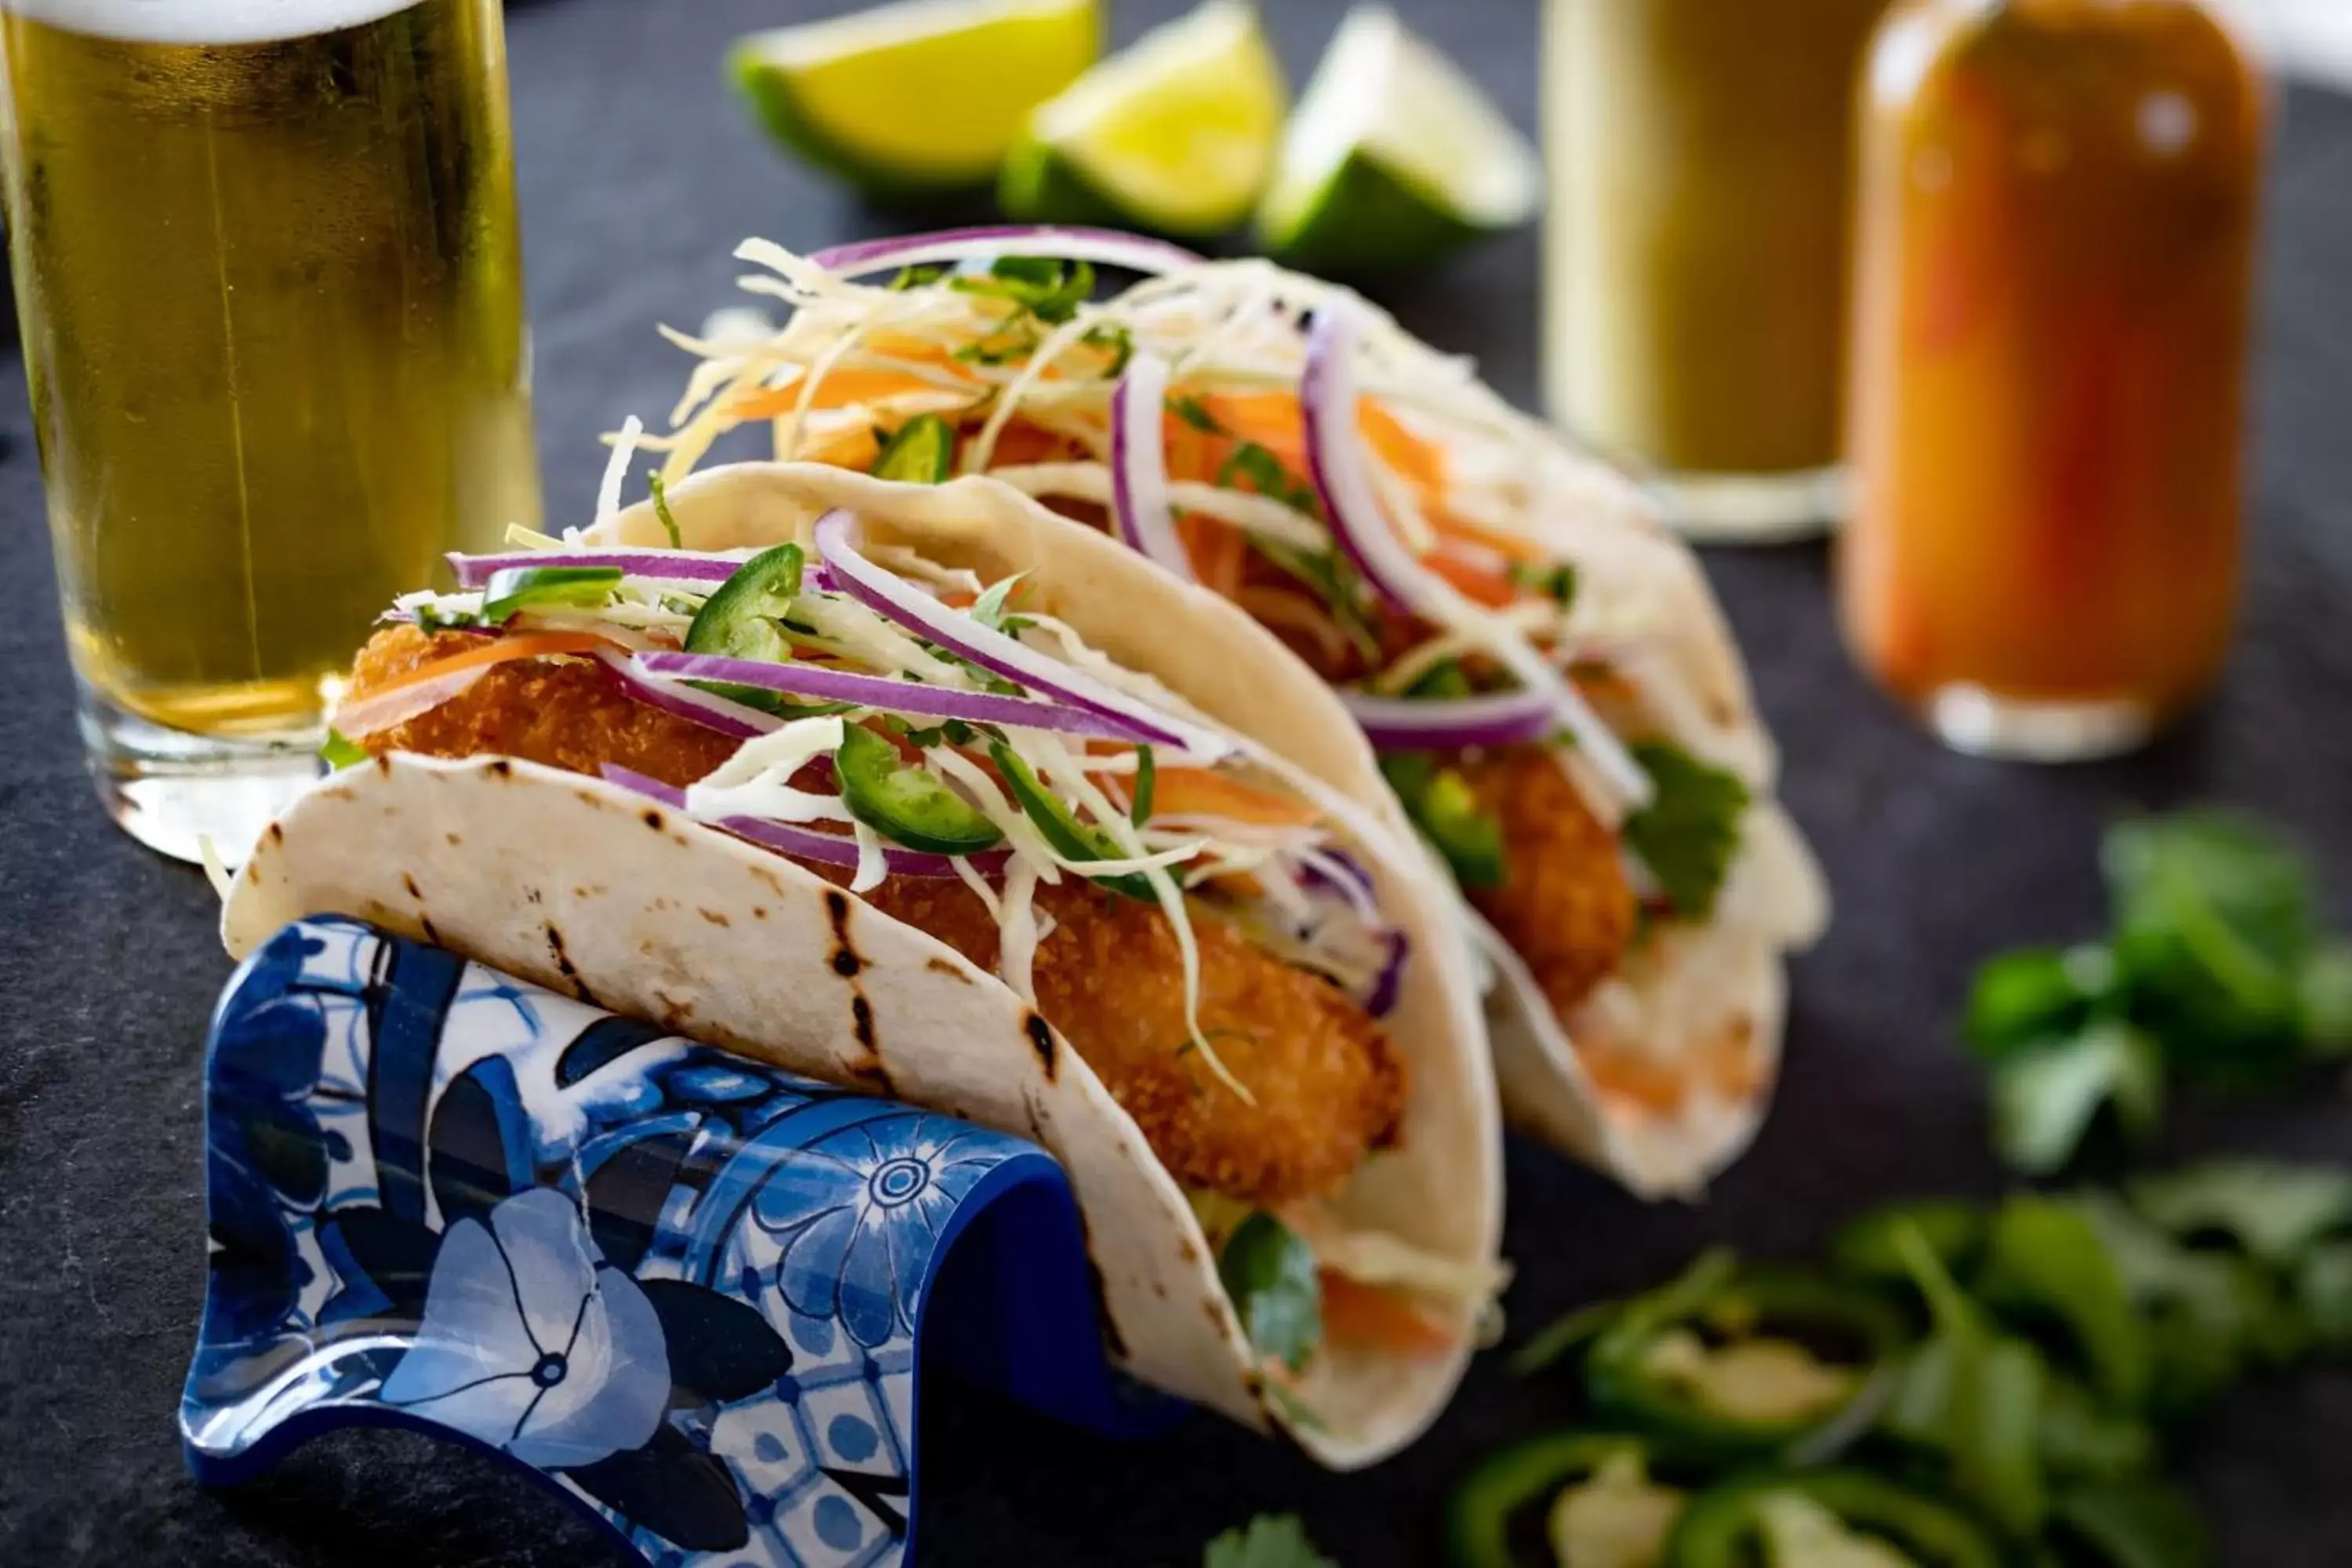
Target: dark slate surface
column 638, row 176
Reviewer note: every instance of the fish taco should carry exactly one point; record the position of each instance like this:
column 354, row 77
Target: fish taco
column 892, row 796
column 1556, row 705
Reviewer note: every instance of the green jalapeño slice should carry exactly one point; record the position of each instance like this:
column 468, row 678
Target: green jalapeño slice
column 907, row 805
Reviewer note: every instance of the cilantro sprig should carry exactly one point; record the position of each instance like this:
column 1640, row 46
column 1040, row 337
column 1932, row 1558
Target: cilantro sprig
column 1689, row 832
column 2217, row 971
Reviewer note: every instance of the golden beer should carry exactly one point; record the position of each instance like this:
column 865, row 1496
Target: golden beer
column 271, row 285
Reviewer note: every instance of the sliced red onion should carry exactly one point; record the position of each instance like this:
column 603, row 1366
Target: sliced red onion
column 887, row 595
column 1339, row 871
column 890, row 695
column 677, row 566
column 805, row 844
column 1139, row 505
column 1416, row 723
column 1335, row 465
column 1107, row 246
column 1380, row 996
column 687, row 703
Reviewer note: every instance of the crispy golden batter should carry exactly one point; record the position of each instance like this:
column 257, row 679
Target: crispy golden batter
column 568, row 714
column 1326, row 1082
column 1565, row 904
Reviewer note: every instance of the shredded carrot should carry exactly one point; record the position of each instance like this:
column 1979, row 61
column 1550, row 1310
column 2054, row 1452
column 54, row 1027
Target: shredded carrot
column 531, row 645
column 1218, row 552
column 1197, row 792
column 1273, row 420
column 1510, row 546
column 1477, row 582
column 1370, row 1315
column 839, row 390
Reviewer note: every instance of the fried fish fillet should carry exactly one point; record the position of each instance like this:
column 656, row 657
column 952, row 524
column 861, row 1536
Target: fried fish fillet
column 1327, row 1084
column 1565, row 905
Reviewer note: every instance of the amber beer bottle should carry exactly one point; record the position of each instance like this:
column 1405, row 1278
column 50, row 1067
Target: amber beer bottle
column 2056, row 227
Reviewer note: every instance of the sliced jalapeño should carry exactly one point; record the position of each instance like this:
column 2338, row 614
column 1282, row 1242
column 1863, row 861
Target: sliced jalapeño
column 907, row 805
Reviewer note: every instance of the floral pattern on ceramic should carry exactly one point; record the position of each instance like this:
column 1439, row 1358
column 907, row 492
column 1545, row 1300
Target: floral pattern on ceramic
column 685, row 1288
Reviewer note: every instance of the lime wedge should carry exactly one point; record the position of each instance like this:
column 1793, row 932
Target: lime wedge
column 1176, row 134
column 1393, row 157
column 924, row 95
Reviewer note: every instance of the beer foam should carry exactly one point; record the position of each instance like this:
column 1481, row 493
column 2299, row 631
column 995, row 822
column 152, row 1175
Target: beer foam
column 203, row 21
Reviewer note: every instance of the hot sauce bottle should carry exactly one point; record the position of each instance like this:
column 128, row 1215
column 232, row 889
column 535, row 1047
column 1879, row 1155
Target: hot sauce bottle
column 2056, row 216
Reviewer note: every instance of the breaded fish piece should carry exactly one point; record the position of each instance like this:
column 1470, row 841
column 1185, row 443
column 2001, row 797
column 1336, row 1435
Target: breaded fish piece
column 1565, row 905
column 1327, row 1084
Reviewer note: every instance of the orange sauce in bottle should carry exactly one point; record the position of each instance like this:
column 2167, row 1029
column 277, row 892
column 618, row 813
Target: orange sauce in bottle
column 2057, row 207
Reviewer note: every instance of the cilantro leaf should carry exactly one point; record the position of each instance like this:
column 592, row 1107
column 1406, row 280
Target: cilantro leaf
column 1689, row 832
column 340, row 752
column 1269, row 1272
column 2323, row 1294
column 989, row 608
column 2134, row 1522
column 1865, row 1250
column 1112, row 339
column 1267, row 477
column 2036, row 995
column 2205, row 1314
column 2044, row 1099
column 1050, row 290
column 2325, row 986
column 1269, row 1540
column 2275, row 1213
column 2215, row 923
column 2044, row 1262
column 918, row 277
column 1195, row 412
column 1977, row 1394
column 1556, row 582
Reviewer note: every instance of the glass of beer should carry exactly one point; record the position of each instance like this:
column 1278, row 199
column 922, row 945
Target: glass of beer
column 269, row 279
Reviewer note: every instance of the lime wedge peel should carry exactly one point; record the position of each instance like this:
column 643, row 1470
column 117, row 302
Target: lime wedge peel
column 1176, row 134
column 923, row 94
column 1393, row 157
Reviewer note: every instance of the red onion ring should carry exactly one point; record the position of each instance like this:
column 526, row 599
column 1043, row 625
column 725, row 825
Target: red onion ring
column 803, row 844
column 1335, row 468
column 710, row 711
column 676, row 565
column 1105, row 246
column 889, row 695
column 1139, row 507
column 887, row 595
column 1414, row 724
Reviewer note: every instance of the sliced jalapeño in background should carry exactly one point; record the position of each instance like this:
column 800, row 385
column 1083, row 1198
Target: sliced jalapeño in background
column 1750, row 1369
column 1730, row 1525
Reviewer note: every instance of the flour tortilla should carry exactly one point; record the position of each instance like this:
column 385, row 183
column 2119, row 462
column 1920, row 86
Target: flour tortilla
column 586, row 887
column 1728, row 982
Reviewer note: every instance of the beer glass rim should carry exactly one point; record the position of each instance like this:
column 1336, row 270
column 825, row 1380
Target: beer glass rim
column 202, row 21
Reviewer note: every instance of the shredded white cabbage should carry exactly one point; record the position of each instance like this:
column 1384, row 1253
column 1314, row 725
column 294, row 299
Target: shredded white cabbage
column 753, row 781
column 616, row 468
